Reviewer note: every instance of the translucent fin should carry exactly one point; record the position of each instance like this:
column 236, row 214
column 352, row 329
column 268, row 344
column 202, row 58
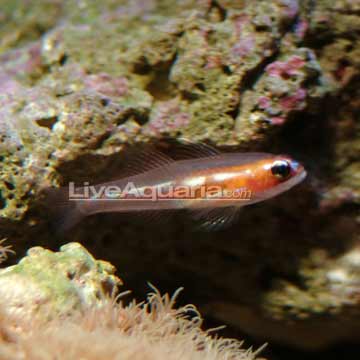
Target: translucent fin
column 189, row 150
column 139, row 161
column 215, row 219
column 64, row 214
column 153, row 217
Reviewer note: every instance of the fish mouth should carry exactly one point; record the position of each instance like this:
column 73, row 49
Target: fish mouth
column 282, row 187
column 298, row 178
column 296, row 166
column 302, row 175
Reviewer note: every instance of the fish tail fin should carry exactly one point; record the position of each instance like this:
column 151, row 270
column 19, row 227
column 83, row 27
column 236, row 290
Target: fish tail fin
column 64, row 213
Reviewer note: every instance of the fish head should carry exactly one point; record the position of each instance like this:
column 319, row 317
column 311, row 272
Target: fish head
column 270, row 175
column 281, row 173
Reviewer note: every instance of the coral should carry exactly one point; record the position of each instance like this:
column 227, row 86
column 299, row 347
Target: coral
column 100, row 329
column 5, row 250
column 55, row 283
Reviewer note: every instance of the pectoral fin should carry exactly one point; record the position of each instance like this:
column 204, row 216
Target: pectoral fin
column 214, row 219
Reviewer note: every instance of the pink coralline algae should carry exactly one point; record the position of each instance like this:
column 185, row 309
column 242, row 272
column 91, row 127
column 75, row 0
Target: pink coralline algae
column 213, row 62
column 240, row 22
column 107, row 85
column 26, row 61
column 134, row 8
column 293, row 102
column 291, row 8
column 9, row 87
column 277, row 120
column 244, row 46
column 301, row 28
column 245, row 42
column 168, row 117
column 264, row 102
column 285, row 69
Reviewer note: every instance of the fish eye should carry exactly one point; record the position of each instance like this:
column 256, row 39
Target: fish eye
column 281, row 169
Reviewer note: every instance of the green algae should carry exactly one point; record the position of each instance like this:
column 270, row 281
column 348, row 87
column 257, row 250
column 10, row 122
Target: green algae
column 24, row 21
column 57, row 283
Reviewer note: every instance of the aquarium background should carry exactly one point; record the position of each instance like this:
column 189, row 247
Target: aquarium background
column 81, row 82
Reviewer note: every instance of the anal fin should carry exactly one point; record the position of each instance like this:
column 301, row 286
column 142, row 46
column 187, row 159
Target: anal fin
column 153, row 217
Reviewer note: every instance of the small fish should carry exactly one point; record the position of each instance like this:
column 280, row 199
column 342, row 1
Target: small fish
column 211, row 184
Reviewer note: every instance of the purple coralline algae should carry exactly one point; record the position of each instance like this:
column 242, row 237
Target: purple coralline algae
column 105, row 84
column 167, row 118
column 286, row 69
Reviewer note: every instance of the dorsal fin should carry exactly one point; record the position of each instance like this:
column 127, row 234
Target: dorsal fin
column 139, row 161
column 185, row 149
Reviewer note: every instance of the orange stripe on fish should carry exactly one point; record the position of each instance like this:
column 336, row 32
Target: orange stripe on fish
column 158, row 182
